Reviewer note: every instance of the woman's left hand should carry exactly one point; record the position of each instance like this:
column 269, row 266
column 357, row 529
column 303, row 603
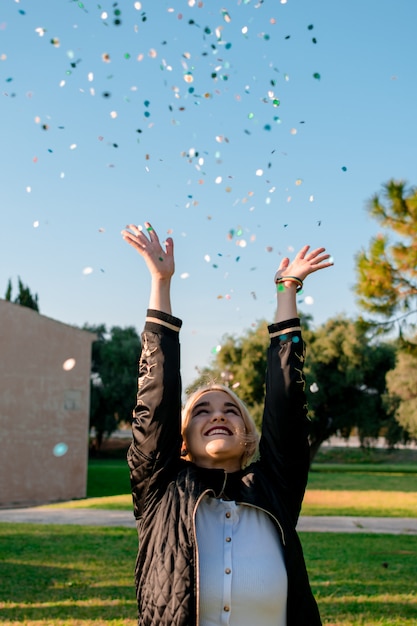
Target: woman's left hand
column 305, row 262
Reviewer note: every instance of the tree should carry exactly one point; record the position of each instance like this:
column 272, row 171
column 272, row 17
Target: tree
column 387, row 289
column 387, row 271
column 241, row 364
column 113, row 378
column 401, row 395
column 24, row 297
column 345, row 377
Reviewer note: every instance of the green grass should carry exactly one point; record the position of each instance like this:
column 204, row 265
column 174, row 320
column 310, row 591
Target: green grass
column 356, row 483
column 107, row 478
column 67, row 574
column 363, row 579
column 366, row 456
column 111, row 477
column 83, row 576
column 344, row 478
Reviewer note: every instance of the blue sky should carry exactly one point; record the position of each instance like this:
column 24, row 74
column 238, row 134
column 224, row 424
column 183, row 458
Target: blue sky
column 222, row 123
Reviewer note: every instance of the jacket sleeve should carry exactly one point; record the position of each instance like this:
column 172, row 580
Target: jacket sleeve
column 156, row 426
column 284, row 446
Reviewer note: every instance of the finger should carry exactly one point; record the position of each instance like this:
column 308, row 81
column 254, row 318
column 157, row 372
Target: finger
column 134, row 233
column 151, row 232
column 169, row 246
column 315, row 253
column 282, row 267
column 133, row 240
column 136, row 229
column 321, row 259
column 301, row 254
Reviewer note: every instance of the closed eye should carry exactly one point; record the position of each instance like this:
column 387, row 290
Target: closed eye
column 201, row 411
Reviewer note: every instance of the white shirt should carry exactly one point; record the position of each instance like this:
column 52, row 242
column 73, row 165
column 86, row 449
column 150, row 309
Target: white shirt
column 243, row 580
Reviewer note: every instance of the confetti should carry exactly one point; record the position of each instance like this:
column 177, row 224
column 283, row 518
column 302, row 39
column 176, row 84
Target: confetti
column 60, row 449
column 314, row 388
column 226, row 16
column 69, row 364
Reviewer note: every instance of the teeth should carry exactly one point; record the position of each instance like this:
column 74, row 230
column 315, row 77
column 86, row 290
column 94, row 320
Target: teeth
column 218, row 431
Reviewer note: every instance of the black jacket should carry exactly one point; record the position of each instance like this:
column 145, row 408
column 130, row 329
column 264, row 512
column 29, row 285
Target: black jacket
column 167, row 489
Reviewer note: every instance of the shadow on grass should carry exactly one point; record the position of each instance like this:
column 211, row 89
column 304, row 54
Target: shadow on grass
column 363, row 579
column 48, row 592
column 67, row 573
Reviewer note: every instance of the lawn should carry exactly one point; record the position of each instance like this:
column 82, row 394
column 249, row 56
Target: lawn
column 83, row 576
column 342, row 482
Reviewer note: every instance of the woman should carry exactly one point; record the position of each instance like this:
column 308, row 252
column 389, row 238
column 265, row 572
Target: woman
column 217, row 534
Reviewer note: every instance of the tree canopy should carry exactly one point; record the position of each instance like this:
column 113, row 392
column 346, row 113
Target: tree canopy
column 387, row 290
column 113, row 377
column 24, row 296
column 345, row 377
column 387, row 272
column 402, row 393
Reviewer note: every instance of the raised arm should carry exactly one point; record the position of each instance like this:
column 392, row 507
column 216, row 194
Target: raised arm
column 159, row 261
column 290, row 276
column 156, row 444
column 284, row 443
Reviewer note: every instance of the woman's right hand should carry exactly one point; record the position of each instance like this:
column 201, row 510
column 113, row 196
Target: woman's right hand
column 159, row 259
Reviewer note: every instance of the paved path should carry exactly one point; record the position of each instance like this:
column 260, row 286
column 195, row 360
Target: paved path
column 99, row 517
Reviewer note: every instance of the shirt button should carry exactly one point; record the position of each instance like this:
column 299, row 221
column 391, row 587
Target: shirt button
column 227, row 570
column 228, row 514
column 228, row 539
column 226, row 608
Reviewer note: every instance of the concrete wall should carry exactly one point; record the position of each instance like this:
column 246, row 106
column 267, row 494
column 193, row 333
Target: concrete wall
column 44, row 408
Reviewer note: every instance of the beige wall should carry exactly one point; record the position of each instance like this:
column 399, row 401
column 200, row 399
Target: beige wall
column 44, row 409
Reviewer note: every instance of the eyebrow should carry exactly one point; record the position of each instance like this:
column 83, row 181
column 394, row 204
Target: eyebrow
column 205, row 403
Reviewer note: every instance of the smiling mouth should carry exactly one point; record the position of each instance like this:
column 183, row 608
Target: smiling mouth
column 218, row 431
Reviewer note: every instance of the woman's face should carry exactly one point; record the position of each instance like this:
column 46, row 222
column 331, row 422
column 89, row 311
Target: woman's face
column 214, row 436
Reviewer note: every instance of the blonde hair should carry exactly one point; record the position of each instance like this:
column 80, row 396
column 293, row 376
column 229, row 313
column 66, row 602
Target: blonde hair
column 251, row 437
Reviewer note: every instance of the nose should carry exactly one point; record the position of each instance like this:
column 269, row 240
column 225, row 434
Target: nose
column 218, row 416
